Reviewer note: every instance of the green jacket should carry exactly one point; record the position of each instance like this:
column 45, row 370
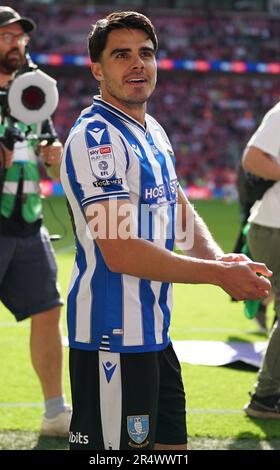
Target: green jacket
column 24, row 170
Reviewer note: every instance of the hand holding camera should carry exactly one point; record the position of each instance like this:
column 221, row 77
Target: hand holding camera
column 6, row 157
column 50, row 153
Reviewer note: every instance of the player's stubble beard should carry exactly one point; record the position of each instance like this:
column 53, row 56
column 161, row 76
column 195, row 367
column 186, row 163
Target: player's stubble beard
column 132, row 102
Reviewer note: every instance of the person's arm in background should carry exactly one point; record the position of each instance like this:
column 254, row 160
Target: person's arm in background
column 6, row 156
column 144, row 259
column 260, row 163
column 51, row 152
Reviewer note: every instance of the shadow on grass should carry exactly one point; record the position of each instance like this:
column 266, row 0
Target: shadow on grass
column 250, row 441
column 240, row 365
column 30, row 440
column 243, row 441
column 51, row 443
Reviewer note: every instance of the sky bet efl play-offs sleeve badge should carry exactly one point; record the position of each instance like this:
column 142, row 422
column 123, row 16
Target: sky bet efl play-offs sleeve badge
column 100, row 151
column 138, row 429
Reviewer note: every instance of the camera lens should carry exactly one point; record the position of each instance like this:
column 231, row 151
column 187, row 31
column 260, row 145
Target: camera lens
column 33, row 98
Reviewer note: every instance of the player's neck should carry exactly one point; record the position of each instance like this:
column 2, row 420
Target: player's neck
column 135, row 110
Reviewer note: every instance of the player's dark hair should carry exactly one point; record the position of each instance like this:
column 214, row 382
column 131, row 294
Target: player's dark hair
column 97, row 37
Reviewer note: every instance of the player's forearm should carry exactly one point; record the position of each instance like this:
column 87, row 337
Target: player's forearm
column 143, row 259
column 204, row 244
column 146, row 260
column 193, row 237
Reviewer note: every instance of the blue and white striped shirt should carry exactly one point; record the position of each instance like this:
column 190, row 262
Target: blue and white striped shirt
column 108, row 155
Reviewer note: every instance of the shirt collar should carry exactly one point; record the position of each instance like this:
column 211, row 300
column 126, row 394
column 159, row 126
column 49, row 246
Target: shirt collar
column 98, row 101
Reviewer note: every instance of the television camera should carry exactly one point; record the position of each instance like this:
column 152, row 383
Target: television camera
column 31, row 98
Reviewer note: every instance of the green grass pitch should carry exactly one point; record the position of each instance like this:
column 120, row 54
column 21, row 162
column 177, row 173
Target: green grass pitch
column 215, row 395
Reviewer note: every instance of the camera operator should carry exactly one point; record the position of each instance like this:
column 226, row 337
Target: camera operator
column 28, row 271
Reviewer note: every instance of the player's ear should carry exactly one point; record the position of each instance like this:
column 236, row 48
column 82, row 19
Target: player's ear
column 96, row 71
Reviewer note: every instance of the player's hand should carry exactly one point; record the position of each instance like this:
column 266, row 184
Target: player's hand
column 50, row 154
column 245, row 279
column 229, row 257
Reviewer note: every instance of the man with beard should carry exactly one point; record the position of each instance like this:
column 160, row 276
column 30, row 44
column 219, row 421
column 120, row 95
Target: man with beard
column 28, row 270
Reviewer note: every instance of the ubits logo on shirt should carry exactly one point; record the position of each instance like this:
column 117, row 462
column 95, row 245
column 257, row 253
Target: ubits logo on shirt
column 78, row 438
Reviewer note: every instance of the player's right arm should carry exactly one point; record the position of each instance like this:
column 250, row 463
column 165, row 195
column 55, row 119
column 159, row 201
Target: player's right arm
column 124, row 252
column 142, row 258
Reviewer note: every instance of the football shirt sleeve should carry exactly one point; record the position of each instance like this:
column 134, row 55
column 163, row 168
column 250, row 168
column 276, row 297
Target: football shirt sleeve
column 97, row 164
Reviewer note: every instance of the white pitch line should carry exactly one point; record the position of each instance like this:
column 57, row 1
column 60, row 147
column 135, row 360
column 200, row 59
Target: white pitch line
column 65, row 249
column 173, row 329
column 14, row 323
column 214, row 412
column 190, row 411
column 21, row 405
column 207, row 330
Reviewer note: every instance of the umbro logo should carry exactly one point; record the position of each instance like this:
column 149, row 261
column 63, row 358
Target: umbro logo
column 97, row 134
column 109, row 370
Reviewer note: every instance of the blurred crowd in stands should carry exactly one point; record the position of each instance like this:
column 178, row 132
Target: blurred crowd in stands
column 209, row 117
column 194, row 35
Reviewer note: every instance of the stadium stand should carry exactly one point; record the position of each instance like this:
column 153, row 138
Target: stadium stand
column 209, row 117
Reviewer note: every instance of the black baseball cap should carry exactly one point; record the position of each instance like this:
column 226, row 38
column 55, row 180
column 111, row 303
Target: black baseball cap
column 9, row 16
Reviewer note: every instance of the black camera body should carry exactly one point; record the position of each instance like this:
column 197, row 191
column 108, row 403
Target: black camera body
column 12, row 133
column 251, row 187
